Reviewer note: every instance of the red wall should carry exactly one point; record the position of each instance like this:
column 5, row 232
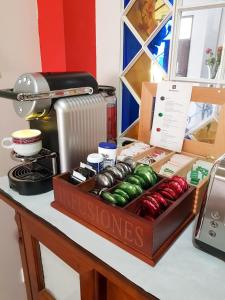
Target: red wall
column 80, row 37
column 51, row 34
column 67, row 35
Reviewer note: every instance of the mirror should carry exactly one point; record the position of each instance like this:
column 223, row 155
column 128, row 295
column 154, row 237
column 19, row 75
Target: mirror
column 200, row 41
column 202, row 122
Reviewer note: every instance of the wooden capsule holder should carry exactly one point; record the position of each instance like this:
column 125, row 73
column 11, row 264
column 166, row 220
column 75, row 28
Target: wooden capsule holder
column 146, row 239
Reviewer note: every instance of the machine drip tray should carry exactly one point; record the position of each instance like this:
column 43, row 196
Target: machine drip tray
column 30, row 172
column 30, row 179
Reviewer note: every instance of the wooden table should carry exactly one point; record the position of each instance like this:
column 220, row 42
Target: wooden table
column 105, row 270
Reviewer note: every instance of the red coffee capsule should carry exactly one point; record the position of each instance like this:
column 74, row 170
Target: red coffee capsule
column 183, row 183
column 154, row 201
column 162, row 185
column 172, row 192
column 169, row 193
column 140, row 211
column 180, row 180
column 150, row 208
column 174, row 185
column 148, row 195
column 161, row 200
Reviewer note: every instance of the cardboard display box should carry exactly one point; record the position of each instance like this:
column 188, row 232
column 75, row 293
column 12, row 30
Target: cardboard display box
column 198, row 150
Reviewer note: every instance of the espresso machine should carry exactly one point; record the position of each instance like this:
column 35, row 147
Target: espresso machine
column 209, row 233
column 71, row 113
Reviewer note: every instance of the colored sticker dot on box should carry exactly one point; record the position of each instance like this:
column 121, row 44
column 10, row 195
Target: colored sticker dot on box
column 158, row 129
column 160, row 114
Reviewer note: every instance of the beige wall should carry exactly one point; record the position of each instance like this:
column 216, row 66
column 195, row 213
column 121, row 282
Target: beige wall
column 19, row 53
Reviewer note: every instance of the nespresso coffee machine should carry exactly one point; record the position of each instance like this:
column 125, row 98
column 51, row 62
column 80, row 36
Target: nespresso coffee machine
column 71, row 113
column 210, row 227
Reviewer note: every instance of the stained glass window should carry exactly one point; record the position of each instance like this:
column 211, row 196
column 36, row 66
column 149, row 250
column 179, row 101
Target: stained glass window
column 139, row 72
column 126, row 2
column 131, row 46
column 130, row 108
column 146, row 15
column 160, row 45
column 145, row 31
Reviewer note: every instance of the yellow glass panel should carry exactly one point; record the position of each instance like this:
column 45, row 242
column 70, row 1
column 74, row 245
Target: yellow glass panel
column 132, row 132
column 207, row 134
column 202, row 122
column 145, row 15
column 143, row 70
column 139, row 72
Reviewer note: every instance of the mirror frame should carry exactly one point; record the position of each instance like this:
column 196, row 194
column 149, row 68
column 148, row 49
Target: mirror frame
column 178, row 9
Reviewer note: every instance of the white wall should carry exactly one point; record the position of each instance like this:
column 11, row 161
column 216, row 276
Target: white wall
column 19, row 53
column 11, row 282
column 214, row 19
column 197, row 43
column 108, row 42
column 222, row 29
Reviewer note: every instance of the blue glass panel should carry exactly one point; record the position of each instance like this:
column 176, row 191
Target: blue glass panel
column 126, row 2
column 160, row 45
column 130, row 108
column 171, row 1
column 131, row 46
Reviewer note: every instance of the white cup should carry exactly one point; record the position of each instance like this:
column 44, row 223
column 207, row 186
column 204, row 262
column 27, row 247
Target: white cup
column 26, row 142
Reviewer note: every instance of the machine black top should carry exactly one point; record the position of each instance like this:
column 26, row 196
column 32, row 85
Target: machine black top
column 67, row 80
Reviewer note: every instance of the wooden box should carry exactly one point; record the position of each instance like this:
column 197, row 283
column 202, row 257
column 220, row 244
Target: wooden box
column 143, row 238
column 200, row 188
column 196, row 149
column 136, row 156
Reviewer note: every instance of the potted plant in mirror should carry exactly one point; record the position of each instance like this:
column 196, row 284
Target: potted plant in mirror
column 213, row 61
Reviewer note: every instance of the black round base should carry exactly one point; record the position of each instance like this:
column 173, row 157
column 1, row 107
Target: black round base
column 30, row 179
